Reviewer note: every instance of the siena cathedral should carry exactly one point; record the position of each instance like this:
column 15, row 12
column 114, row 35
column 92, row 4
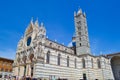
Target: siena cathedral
column 44, row 59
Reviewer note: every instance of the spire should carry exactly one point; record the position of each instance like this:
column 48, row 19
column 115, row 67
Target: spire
column 31, row 20
column 84, row 14
column 79, row 11
column 37, row 23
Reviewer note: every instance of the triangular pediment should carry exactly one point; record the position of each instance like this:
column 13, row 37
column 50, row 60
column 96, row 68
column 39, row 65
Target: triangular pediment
column 29, row 29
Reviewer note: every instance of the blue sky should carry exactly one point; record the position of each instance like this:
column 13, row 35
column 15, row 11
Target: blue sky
column 103, row 18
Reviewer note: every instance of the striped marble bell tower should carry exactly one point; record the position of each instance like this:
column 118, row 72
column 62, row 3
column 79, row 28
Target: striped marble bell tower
column 81, row 30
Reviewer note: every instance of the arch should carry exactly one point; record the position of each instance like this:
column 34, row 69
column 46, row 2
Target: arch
column 24, row 59
column 31, row 57
column 115, row 64
column 83, row 63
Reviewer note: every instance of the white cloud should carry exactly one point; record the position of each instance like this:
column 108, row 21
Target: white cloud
column 8, row 53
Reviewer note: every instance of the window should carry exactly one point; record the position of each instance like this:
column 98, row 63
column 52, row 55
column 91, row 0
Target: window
column 58, row 46
column 105, row 63
column 80, row 39
column 83, row 63
column 75, row 63
column 48, row 57
column 67, row 61
column 79, row 28
column 80, row 44
column 28, row 41
column 59, row 59
column 79, row 33
column 92, row 63
column 99, row 64
column 79, row 22
column 50, row 44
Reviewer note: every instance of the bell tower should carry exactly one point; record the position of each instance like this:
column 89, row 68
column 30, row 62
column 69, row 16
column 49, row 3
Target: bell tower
column 81, row 30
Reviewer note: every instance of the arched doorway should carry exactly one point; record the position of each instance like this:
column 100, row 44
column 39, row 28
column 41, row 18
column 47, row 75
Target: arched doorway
column 115, row 64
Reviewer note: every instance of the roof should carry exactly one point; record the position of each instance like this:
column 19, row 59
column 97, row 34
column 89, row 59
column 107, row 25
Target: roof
column 113, row 54
column 59, row 43
column 6, row 59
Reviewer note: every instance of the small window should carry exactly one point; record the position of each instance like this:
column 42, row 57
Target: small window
column 58, row 47
column 79, row 33
column 67, row 61
column 48, row 57
column 80, row 44
column 79, row 22
column 79, row 28
column 75, row 63
column 105, row 63
column 83, row 63
column 50, row 44
column 59, row 59
column 80, row 38
column 99, row 63
column 92, row 63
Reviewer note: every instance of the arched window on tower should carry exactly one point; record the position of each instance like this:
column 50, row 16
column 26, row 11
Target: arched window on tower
column 48, row 57
column 75, row 63
column 83, row 63
column 67, row 61
column 80, row 44
column 92, row 63
column 98, row 63
column 59, row 59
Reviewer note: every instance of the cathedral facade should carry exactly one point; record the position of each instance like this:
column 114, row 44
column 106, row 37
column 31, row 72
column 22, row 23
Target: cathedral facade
column 39, row 57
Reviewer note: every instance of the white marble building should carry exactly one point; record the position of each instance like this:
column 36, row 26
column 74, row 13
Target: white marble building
column 39, row 57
